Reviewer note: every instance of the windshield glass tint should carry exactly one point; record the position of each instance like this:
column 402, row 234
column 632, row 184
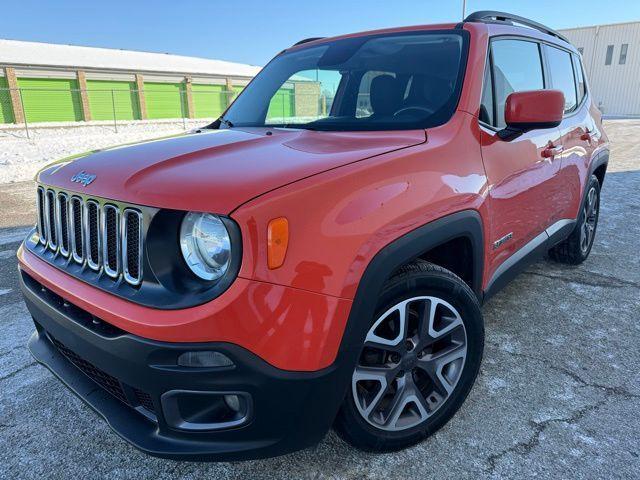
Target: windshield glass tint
column 399, row 81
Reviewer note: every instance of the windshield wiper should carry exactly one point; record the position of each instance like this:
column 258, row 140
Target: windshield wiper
column 226, row 122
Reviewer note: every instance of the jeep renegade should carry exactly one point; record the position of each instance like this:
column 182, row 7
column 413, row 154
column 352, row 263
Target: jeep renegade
column 317, row 257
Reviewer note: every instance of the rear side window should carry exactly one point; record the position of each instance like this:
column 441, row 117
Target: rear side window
column 581, row 86
column 562, row 77
column 516, row 67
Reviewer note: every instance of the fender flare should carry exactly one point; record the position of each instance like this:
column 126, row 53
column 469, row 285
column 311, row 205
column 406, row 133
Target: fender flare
column 403, row 250
column 601, row 158
column 466, row 223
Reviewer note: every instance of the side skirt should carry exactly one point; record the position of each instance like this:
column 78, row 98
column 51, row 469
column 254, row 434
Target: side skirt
column 528, row 254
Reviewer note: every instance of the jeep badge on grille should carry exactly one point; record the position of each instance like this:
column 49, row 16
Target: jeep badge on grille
column 83, row 177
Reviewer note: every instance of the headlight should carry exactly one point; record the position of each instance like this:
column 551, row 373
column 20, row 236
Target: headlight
column 205, row 245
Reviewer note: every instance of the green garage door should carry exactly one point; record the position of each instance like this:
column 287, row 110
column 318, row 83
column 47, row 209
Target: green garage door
column 51, row 100
column 282, row 104
column 6, row 109
column 209, row 101
column 165, row 100
column 101, row 101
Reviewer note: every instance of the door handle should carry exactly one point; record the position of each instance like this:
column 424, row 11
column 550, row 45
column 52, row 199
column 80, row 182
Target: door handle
column 551, row 151
column 588, row 135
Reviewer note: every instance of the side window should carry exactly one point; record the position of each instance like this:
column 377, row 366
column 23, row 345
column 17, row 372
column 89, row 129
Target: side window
column 561, row 72
column 623, row 53
column 516, row 67
column 609, row 57
column 582, row 88
column 305, row 96
column 486, row 105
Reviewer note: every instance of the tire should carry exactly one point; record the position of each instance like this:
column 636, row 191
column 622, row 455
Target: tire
column 576, row 248
column 418, row 288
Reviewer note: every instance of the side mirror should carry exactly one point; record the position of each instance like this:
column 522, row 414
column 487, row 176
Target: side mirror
column 531, row 110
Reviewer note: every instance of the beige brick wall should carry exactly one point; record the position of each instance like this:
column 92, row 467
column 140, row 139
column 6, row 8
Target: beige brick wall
column 84, row 96
column 307, row 99
column 191, row 112
column 16, row 101
column 141, row 100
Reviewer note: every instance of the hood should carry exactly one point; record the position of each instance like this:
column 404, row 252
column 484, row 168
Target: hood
column 218, row 170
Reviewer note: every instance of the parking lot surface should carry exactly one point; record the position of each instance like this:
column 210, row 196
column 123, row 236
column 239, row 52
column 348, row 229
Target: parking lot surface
column 558, row 394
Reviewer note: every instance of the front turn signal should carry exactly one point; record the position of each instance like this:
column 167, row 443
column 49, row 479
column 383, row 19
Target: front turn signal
column 277, row 242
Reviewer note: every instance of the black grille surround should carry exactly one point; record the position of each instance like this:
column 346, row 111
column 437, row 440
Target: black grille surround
column 128, row 250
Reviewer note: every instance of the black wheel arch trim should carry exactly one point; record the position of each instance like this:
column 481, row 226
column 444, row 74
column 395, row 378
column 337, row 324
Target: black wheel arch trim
column 601, row 158
column 403, row 250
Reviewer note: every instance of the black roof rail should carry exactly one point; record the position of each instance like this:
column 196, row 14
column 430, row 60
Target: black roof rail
column 307, row 40
column 490, row 16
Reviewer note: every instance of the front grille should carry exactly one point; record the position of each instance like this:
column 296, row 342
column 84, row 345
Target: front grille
column 144, row 399
column 41, row 223
column 93, row 232
column 62, row 221
column 77, row 230
column 102, row 378
column 111, row 244
column 108, row 382
column 50, row 220
column 132, row 246
column 93, row 235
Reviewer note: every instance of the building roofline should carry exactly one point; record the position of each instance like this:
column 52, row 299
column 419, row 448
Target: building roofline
column 74, row 45
column 54, row 55
column 159, row 73
column 615, row 24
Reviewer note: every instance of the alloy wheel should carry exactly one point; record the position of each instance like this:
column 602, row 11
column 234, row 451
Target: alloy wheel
column 412, row 359
column 589, row 220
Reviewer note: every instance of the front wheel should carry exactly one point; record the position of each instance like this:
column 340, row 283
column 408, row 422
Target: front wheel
column 418, row 362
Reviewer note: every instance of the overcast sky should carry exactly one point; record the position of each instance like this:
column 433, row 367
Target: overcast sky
column 252, row 31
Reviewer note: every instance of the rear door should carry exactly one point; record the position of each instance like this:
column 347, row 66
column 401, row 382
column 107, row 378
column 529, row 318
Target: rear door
column 578, row 130
column 520, row 171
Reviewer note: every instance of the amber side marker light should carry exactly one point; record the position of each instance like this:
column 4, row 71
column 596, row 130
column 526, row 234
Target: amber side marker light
column 277, row 242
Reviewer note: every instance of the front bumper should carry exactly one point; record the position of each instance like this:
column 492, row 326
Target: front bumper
column 123, row 377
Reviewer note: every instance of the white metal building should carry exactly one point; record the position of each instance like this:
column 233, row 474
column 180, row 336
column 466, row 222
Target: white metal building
column 611, row 55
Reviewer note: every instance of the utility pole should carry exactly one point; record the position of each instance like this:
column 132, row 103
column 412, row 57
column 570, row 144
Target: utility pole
column 464, row 9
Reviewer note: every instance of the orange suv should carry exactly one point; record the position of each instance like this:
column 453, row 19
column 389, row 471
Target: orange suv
column 318, row 255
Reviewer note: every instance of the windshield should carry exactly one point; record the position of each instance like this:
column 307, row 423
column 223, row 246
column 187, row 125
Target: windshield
column 381, row 82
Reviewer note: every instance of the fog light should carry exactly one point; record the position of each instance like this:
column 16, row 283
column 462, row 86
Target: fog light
column 233, row 402
column 205, row 358
column 201, row 411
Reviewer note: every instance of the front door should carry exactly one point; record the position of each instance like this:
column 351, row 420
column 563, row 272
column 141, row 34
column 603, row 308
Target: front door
column 521, row 171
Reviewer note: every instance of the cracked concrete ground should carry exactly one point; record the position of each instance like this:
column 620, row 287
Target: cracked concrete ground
column 558, row 394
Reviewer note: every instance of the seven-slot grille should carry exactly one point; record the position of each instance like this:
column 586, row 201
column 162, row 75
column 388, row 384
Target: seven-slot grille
column 99, row 234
